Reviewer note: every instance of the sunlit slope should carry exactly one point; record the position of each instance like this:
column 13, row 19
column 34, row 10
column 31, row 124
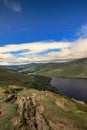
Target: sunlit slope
column 73, row 69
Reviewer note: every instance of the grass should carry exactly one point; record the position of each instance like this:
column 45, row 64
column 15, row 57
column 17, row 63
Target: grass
column 73, row 69
column 73, row 110
column 28, row 92
column 9, row 112
column 1, row 91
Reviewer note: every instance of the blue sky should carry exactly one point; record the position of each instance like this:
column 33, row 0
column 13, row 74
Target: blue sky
column 41, row 22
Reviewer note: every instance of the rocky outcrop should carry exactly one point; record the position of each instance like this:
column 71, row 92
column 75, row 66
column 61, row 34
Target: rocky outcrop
column 32, row 114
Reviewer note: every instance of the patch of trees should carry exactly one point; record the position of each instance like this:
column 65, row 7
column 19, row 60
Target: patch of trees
column 29, row 81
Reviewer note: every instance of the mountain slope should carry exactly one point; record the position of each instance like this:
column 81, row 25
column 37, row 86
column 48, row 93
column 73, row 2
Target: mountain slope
column 73, row 69
column 29, row 81
column 23, row 106
column 16, row 68
column 30, row 109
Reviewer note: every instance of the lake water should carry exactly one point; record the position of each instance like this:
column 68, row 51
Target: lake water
column 74, row 88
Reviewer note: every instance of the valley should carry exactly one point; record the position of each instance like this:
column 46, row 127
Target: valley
column 29, row 102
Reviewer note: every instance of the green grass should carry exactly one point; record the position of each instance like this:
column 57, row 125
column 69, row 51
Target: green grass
column 75, row 111
column 9, row 112
column 1, row 91
column 73, row 69
column 28, row 92
column 72, row 110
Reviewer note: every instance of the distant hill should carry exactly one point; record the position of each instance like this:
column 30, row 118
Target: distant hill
column 72, row 69
column 16, row 68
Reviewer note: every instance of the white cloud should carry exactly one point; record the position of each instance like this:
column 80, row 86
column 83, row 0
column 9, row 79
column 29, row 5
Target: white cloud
column 69, row 51
column 82, row 32
column 6, row 59
column 13, row 5
column 35, row 47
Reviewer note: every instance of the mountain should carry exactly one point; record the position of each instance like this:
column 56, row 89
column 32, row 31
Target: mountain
column 25, row 106
column 16, row 68
column 72, row 69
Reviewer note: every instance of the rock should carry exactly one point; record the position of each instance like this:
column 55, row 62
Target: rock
column 10, row 97
column 30, row 114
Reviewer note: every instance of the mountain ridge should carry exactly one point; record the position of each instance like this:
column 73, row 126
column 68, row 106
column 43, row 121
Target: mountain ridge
column 73, row 69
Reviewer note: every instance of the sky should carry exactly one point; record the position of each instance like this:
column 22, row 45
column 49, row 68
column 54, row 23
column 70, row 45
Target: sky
column 42, row 31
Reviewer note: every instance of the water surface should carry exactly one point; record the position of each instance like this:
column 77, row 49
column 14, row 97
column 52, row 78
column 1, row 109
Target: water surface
column 74, row 88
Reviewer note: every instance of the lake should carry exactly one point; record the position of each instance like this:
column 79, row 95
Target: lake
column 74, row 88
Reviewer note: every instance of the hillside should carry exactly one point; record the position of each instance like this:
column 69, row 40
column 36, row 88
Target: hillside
column 16, row 68
column 31, row 109
column 29, row 81
column 73, row 69
column 25, row 106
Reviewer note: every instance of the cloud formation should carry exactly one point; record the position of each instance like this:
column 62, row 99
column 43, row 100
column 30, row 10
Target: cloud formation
column 32, row 52
column 82, row 32
column 13, row 5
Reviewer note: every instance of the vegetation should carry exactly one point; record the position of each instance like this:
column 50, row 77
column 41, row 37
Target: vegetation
column 66, row 108
column 57, row 110
column 30, row 102
column 8, row 78
column 73, row 69
column 8, row 112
